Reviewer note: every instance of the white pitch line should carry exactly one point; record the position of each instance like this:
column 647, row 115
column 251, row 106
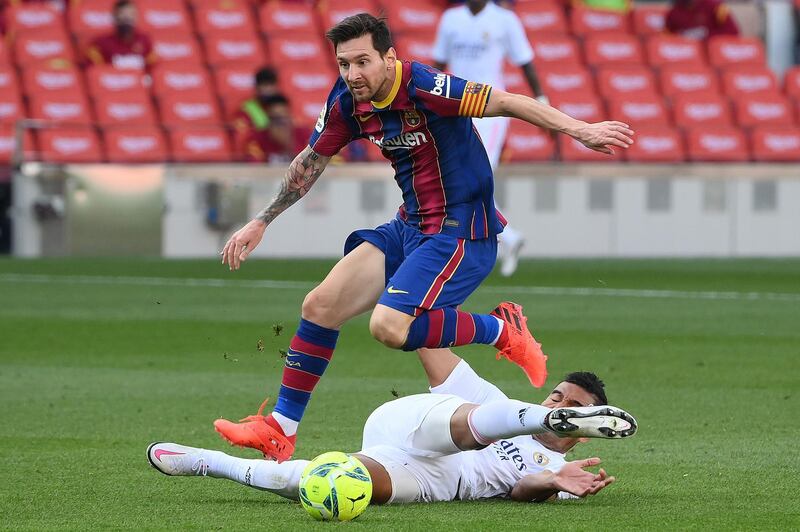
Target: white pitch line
column 297, row 285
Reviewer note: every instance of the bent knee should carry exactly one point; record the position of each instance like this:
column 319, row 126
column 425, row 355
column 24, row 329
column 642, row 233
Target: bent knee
column 320, row 307
column 388, row 332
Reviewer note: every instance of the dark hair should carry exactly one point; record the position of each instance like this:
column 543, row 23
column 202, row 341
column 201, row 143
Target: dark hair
column 589, row 382
column 266, row 75
column 275, row 99
column 119, row 4
column 358, row 26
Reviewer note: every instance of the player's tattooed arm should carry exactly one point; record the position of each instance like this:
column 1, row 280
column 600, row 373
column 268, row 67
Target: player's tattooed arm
column 303, row 172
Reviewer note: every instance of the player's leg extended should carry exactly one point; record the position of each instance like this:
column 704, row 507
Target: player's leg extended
column 419, row 307
column 351, row 288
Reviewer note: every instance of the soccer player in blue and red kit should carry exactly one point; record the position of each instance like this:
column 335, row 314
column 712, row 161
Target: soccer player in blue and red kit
column 413, row 272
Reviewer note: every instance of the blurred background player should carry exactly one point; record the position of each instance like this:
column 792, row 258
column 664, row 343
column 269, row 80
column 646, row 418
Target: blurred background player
column 125, row 46
column 280, row 141
column 700, row 19
column 252, row 116
column 472, row 42
column 463, row 441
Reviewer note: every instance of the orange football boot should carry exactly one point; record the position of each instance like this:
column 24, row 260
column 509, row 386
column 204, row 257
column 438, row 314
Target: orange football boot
column 518, row 345
column 258, row 432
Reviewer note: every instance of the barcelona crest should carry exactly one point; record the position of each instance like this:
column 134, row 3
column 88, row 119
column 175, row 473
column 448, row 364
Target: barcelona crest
column 411, row 118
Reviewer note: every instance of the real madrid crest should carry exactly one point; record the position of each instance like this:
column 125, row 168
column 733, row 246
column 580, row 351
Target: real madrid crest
column 411, row 118
column 541, row 459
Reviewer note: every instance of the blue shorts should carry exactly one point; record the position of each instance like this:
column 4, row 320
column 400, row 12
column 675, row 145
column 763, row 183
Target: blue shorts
column 425, row 272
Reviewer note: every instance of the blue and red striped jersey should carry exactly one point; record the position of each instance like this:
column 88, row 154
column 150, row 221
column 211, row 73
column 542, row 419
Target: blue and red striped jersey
column 424, row 128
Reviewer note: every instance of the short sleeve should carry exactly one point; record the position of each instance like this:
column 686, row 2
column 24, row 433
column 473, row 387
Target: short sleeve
column 331, row 132
column 468, row 385
column 518, row 49
column 448, row 95
column 440, row 52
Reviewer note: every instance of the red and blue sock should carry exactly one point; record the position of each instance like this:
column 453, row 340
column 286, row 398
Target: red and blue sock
column 309, row 353
column 448, row 327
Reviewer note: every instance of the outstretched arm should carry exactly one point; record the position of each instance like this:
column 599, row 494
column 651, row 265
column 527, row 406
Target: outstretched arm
column 600, row 136
column 572, row 479
column 303, row 172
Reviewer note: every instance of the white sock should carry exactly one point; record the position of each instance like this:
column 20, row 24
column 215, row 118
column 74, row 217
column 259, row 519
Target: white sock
column 506, row 418
column 282, row 479
column 499, row 331
column 289, row 426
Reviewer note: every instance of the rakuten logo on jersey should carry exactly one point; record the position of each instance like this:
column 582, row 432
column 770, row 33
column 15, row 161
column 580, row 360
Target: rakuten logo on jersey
column 441, row 84
column 404, row 141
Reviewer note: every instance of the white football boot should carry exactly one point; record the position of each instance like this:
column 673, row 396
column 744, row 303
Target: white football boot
column 591, row 422
column 510, row 244
column 177, row 460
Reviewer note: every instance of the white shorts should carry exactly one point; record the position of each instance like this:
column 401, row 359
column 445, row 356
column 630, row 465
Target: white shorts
column 395, row 436
column 493, row 135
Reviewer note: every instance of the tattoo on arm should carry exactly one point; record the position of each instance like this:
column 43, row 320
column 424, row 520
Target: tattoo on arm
column 303, row 172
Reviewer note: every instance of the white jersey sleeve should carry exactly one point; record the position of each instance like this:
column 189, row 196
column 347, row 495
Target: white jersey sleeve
column 518, row 49
column 441, row 47
column 465, row 383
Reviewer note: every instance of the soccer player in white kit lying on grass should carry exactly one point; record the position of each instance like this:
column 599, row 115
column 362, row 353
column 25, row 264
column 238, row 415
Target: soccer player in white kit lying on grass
column 463, row 441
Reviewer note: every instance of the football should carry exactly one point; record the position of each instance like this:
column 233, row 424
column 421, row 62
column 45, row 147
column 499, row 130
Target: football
column 335, row 487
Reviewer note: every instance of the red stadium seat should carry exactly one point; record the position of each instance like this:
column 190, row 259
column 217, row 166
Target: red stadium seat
column 333, row 11
column 8, row 81
column 776, row 143
column 565, row 80
column 612, row 49
column 8, row 143
column 724, row 51
column 672, row 49
column 416, row 48
column 11, row 108
column 649, row 19
column 526, row 143
column 656, row 144
column 305, row 110
column 163, row 16
column 42, row 45
column 625, row 81
column 573, row 151
column 232, row 47
column 791, row 82
column 676, row 79
column 541, row 17
column 558, row 49
column 51, row 77
column 34, row 17
column 224, row 16
column 181, row 47
column 751, row 80
column 136, row 144
column 763, row 110
column 638, row 110
column 124, row 108
column 281, row 18
column 69, row 145
column 234, row 84
column 174, row 77
column 203, row 144
column 70, row 108
column 188, row 108
column 585, row 107
column 301, row 48
column 5, row 53
column 310, row 79
column 90, row 18
column 584, row 21
column 102, row 79
column 420, row 16
column 690, row 110
column 717, row 144
column 515, row 80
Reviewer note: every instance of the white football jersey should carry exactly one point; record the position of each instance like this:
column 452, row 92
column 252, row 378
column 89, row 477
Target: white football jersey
column 474, row 46
column 493, row 471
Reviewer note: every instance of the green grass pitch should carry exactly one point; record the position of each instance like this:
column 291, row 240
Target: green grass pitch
column 100, row 357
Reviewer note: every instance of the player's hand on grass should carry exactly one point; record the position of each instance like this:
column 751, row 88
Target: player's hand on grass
column 604, row 136
column 573, row 478
column 242, row 243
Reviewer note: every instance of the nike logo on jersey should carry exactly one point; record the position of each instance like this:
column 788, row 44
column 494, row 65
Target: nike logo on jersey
column 365, row 117
column 393, row 290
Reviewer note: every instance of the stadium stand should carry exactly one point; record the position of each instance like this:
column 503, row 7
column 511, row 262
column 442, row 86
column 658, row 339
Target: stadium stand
column 688, row 100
